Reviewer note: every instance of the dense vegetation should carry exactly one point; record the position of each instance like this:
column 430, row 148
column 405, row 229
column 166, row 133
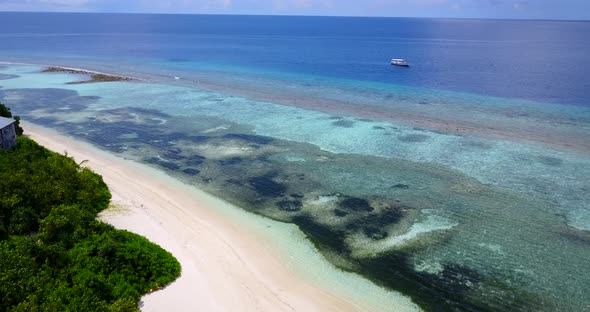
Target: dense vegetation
column 54, row 254
column 5, row 112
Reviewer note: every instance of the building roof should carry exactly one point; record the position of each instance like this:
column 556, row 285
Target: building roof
column 5, row 122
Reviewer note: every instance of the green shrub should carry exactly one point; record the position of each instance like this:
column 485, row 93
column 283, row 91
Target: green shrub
column 54, row 254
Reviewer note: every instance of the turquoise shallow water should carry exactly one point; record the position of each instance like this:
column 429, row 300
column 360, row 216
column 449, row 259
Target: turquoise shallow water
column 468, row 220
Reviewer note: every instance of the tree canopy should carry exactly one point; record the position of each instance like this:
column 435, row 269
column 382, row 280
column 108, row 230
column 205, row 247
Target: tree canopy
column 54, row 253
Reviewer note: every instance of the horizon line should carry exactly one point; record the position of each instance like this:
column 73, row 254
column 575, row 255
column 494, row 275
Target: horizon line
column 298, row 15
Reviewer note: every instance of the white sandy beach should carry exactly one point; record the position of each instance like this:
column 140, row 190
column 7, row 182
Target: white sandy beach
column 225, row 267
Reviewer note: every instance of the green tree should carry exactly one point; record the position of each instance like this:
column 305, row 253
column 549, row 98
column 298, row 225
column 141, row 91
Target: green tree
column 55, row 255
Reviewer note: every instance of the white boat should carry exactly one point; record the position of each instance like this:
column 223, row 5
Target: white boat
column 400, row 62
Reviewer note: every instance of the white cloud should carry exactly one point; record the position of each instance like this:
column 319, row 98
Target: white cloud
column 64, row 2
column 46, row 5
column 431, row 8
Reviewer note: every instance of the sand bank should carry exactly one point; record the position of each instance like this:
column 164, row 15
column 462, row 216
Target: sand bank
column 226, row 266
column 93, row 77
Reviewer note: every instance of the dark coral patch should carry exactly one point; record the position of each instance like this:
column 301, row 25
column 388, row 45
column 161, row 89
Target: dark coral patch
column 340, row 213
column 230, row 161
column 343, row 123
column 265, row 186
column 322, row 236
column 355, row 204
column 50, row 99
column 550, row 161
column 195, row 160
column 173, row 156
column 234, row 182
column 191, row 171
column 290, row 205
column 6, row 77
column 199, row 138
column 372, row 223
column 258, row 139
column 477, row 144
column 577, row 236
column 413, row 138
column 390, row 216
column 263, row 158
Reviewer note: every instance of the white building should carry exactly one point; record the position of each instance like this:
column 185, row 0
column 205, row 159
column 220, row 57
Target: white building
column 7, row 133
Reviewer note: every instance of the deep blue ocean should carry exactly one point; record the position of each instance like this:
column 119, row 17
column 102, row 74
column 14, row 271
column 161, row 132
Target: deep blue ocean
column 461, row 181
column 545, row 61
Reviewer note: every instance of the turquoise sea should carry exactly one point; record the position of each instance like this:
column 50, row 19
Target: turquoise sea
column 461, row 181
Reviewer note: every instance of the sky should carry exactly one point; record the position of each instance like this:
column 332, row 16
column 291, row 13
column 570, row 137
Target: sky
column 523, row 9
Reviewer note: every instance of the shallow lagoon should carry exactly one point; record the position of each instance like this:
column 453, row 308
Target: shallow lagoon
column 470, row 222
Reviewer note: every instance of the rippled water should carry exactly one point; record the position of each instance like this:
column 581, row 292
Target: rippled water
column 470, row 221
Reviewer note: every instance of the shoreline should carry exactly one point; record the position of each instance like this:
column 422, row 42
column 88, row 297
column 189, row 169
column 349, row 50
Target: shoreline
column 227, row 265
